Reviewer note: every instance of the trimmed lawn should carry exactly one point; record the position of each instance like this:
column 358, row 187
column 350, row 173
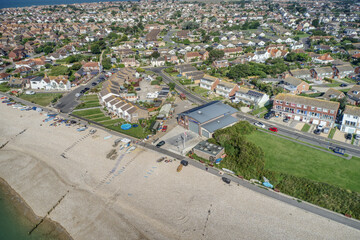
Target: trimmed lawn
column 332, row 133
column 42, row 99
column 4, row 87
column 137, row 132
column 284, row 156
column 200, row 91
column 336, row 84
column 88, row 101
column 305, row 128
column 88, row 112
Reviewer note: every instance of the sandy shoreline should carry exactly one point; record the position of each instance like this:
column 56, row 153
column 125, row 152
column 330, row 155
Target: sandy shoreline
column 133, row 196
column 48, row 227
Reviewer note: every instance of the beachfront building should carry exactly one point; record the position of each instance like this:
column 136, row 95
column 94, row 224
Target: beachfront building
column 305, row 109
column 351, row 120
column 204, row 120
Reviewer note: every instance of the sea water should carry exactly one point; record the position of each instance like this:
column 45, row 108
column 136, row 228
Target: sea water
column 16, row 220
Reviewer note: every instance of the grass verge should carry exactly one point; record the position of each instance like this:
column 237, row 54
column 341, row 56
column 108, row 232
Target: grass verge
column 305, row 128
column 42, row 99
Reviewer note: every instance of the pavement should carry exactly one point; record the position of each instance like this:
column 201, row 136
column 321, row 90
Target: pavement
column 267, row 192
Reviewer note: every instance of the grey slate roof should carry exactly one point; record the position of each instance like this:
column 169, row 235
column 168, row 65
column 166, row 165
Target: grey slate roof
column 209, row 111
column 219, row 123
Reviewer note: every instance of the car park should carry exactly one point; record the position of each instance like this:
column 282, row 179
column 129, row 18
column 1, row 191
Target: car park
column 273, row 129
column 226, row 180
column 348, row 136
column 161, row 143
column 260, row 124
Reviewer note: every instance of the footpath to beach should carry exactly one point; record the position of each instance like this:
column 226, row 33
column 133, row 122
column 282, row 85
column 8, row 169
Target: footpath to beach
column 133, row 196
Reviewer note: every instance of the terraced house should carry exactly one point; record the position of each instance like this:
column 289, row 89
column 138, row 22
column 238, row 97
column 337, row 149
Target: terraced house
column 226, row 89
column 251, row 97
column 305, row 109
column 209, row 82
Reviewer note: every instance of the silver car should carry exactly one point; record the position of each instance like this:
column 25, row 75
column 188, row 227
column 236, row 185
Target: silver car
column 260, row 125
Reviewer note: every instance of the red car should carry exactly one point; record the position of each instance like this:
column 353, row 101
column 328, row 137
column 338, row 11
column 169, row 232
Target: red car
column 273, row 129
column 164, row 128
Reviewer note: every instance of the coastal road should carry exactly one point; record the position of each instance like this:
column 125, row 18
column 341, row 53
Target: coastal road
column 235, row 180
column 178, row 87
column 68, row 102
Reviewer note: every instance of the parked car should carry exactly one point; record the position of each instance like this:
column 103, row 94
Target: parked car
column 94, row 84
column 339, row 150
column 357, row 136
column 317, row 131
column 343, row 85
column 348, row 136
column 326, row 130
column 259, row 124
column 164, row 128
column 161, row 143
column 29, row 92
column 77, row 95
column 86, row 89
column 273, row 129
column 184, row 162
column 320, row 127
column 286, row 120
column 226, row 180
column 269, row 115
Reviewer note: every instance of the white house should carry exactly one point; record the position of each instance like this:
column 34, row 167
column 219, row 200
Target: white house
column 351, row 120
column 252, row 97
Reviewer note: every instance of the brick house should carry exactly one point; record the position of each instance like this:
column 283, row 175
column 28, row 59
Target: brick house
column 294, row 85
column 305, row 109
column 321, row 73
column 342, row 71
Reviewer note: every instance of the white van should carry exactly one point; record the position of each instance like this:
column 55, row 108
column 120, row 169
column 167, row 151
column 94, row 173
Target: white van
column 29, row 92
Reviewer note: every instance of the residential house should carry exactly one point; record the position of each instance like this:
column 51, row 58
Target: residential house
column 351, row 120
column 130, row 62
column 158, row 62
column 226, row 89
column 321, row 73
column 209, row 82
column 324, row 59
column 92, row 66
column 4, row 77
column 220, row 63
column 16, row 83
column 294, row 85
column 152, row 35
column 332, row 93
column 183, row 34
column 251, row 97
column 232, row 52
column 306, row 109
column 354, row 95
column 301, row 73
column 342, row 71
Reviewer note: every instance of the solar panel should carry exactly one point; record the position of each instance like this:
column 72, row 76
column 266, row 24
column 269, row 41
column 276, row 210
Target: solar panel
column 254, row 94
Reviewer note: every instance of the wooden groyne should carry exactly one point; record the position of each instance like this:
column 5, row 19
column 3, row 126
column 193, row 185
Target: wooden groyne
column 48, row 213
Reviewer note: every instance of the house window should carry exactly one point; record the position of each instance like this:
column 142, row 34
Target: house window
column 325, row 110
column 299, row 105
column 287, row 103
column 319, row 109
column 332, row 111
column 312, row 108
column 304, row 106
column 277, row 101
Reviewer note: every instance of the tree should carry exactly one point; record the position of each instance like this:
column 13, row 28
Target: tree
column 216, row 54
column 216, row 39
column 48, row 49
column 155, row 54
column 172, row 86
column 47, row 65
column 76, row 66
column 106, row 63
column 59, row 70
column 315, row 23
column 113, row 13
column 95, row 49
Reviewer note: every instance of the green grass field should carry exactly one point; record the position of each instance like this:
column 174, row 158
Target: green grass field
column 88, row 101
column 332, row 133
column 305, row 128
column 284, row 156
column 98, row 116
column 42, row 99
column 4, row 87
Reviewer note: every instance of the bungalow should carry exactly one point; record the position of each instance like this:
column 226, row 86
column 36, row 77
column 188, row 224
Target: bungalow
column 92, row 66
column 209, row 82
column 226, row 89
column 321, row 73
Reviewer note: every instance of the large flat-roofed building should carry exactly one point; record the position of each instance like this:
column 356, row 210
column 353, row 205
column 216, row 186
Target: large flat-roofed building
column 309, row 110
column 208, row 150
column 206, row 119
